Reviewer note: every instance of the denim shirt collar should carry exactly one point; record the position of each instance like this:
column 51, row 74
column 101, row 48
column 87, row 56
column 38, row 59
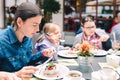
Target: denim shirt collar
column 13, row 37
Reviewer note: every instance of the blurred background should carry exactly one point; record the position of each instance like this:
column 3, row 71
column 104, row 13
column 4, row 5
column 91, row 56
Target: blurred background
column 67, row 13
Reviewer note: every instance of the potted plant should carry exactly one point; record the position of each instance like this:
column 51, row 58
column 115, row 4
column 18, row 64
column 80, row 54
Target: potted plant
column 85, row 57
column 50, row 6
column 84, row 49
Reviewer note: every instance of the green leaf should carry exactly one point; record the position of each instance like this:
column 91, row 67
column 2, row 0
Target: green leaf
column 51, row 64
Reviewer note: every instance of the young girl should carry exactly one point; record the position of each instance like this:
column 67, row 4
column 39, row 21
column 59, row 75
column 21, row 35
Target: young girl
column 94, row 36
column 51, row 38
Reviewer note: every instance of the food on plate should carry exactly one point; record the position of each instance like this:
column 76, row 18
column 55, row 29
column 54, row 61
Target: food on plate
column 75, row 75
column 98, row 52
column 68, row 53
column 95, row 51
column 71, row 52
column 51, row 70
column 111, row 51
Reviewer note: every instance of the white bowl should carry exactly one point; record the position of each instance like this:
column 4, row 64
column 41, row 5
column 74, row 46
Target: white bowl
column 75, row 75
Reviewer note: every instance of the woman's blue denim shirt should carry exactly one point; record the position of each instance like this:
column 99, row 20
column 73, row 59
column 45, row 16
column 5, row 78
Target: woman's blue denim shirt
column 14, row 54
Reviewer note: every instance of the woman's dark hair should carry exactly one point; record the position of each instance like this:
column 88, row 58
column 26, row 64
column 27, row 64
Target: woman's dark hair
column 88, row 18
column 27, row 10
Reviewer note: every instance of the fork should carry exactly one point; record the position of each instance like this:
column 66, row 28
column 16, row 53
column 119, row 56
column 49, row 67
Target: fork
column 44, row 64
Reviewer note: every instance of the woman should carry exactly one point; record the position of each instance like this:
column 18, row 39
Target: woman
column 51, row 38
column 16, row 42
column 94, row 36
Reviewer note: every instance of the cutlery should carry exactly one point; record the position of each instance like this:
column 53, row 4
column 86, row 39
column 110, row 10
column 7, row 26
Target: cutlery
column 117, row 73
column 62, row 40
column 42, row 65
column 45, row 62
column 48, row 59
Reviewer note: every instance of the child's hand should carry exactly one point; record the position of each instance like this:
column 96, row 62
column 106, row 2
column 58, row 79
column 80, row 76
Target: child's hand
column 67, row 48
column 104, row 38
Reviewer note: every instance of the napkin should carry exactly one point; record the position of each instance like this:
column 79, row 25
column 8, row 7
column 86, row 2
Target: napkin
column 68, row 62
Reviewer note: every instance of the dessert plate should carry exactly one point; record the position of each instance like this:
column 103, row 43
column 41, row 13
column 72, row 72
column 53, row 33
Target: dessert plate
column 99, row 52
column 62, row 72
column 68, row 53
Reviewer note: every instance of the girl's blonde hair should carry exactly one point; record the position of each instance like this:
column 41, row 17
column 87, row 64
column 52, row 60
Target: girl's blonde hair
column 47, row 29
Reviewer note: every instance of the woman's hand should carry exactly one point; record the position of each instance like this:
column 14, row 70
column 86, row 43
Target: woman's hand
column 26, row 72
column 48, row 52
column 8, row 76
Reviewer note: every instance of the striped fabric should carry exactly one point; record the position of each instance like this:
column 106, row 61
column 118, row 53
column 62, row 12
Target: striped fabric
column 93, row 40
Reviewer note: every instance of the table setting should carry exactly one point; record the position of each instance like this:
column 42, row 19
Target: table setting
column 48, row 72
column 59, row 72
column 103, row 62
column 68, row 65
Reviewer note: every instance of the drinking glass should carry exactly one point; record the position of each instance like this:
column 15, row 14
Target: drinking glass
column 116, row 45
column 115, row 42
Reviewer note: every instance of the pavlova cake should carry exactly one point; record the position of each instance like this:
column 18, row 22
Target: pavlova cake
column 51, row 69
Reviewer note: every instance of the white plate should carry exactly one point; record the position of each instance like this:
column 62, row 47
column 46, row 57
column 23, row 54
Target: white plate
column 99, row 52
column 63, row 71
column 68, row 53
